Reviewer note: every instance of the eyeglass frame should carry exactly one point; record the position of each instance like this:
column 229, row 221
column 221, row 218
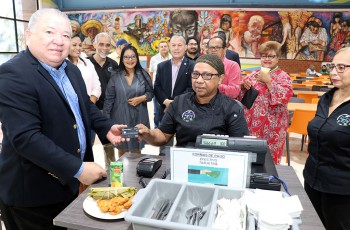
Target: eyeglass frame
column 132, row 57
column 268, row 57
column 330, row 67
column 207, row 78
column 215, row 48
column 192, row 44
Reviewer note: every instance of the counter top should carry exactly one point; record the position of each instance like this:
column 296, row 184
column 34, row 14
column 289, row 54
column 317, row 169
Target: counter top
column 73, row 217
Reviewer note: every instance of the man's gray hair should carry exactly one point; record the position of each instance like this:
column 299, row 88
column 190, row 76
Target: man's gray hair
column 35, row 18
column 178, row 36
column 102, row 34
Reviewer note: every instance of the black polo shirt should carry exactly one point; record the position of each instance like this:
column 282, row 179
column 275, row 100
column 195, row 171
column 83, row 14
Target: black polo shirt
column 188, row 119
column 193, row 59
column 327, row 169
column 104, row 74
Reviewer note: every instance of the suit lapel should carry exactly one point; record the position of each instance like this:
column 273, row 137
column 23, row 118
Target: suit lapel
column 50, row 79
column 182, row 71
column 168, row 77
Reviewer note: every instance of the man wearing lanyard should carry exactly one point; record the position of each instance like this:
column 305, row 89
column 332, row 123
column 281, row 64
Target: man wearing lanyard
column 46, row 117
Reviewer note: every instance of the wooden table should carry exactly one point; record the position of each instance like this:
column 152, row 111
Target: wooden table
column 303, row 106
column 73, row 217
column 319, row 93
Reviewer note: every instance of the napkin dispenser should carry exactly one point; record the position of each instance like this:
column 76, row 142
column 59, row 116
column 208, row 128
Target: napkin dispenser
column 147, row 167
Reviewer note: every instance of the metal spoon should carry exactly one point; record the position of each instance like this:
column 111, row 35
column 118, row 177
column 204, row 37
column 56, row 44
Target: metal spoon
column 200, row 216
column 190, row 212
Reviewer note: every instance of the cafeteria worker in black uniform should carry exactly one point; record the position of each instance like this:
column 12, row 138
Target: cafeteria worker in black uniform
column 327, row 169
column 205, row 110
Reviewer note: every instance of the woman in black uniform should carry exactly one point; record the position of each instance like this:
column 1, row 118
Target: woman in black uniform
column 327, row 169
column 205, row 110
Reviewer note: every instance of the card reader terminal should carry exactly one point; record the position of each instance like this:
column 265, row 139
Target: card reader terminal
column 224, row 142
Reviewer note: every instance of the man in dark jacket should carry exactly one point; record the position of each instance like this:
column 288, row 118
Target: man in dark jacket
column 46, row 117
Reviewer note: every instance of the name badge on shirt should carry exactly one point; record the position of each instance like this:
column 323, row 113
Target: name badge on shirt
column 343, row 120
column 188, row 115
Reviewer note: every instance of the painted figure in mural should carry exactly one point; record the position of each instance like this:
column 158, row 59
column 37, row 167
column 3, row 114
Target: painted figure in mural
column 268, row 117
column 204, row 45
column 205, row 34
column 335, row 24
column 287, row 35
column 75, row 27
column 184, row 23
column 90, row 29
column 106, row 23
column 226, row 26
column 251, row 37
column 314, row 41
column 339, row 40
column 298, row 21
column 116, row 32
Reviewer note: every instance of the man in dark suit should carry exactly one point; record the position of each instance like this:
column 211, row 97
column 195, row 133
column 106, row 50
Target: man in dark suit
column 46, row 117
column 174, row 75
column 230, row 54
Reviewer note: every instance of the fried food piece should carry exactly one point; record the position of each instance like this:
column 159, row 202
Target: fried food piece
column 117, row 210
column 103, row 205
column 128, row 204
column 120, row 200
column 114, row 206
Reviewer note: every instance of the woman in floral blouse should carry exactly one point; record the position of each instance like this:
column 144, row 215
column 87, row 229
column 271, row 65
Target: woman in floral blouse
column 268, row 117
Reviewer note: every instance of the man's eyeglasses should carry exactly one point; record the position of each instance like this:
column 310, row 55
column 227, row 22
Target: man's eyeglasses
column 132, row 57
column 270, row 57
column 340, row 68
column 205, row 75
column 215, row 48
column 192, row 44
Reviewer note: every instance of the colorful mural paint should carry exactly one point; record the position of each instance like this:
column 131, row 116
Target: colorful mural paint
column 303, row 35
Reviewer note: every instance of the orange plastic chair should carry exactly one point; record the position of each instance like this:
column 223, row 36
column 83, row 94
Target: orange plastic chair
column 315, row 100
column 299, row 124
column 298, row 85
column 307, row 97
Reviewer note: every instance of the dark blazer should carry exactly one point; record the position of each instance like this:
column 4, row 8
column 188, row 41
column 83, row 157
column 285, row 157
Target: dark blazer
column 162, row 85
column 233, row 56
column 40, row 153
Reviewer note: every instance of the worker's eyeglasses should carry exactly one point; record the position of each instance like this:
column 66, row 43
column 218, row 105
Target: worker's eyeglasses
column 205, row 75
column 340, row 68
column 192, row 44
column 132, row 57
column 270, row 57
column 215, row 48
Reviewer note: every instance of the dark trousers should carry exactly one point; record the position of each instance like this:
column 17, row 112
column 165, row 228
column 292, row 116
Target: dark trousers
column 332, row 209
column 156, row 108
column 34, row 218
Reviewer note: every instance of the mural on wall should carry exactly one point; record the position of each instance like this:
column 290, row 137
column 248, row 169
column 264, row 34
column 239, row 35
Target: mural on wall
column 303, row 35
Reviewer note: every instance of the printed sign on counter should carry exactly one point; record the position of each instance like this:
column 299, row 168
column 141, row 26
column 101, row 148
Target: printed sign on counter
column 206, row 166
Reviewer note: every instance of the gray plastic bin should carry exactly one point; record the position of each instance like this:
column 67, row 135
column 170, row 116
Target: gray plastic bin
column 183, row 196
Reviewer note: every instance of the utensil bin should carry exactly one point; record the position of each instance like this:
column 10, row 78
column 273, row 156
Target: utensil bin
column 184, row 196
